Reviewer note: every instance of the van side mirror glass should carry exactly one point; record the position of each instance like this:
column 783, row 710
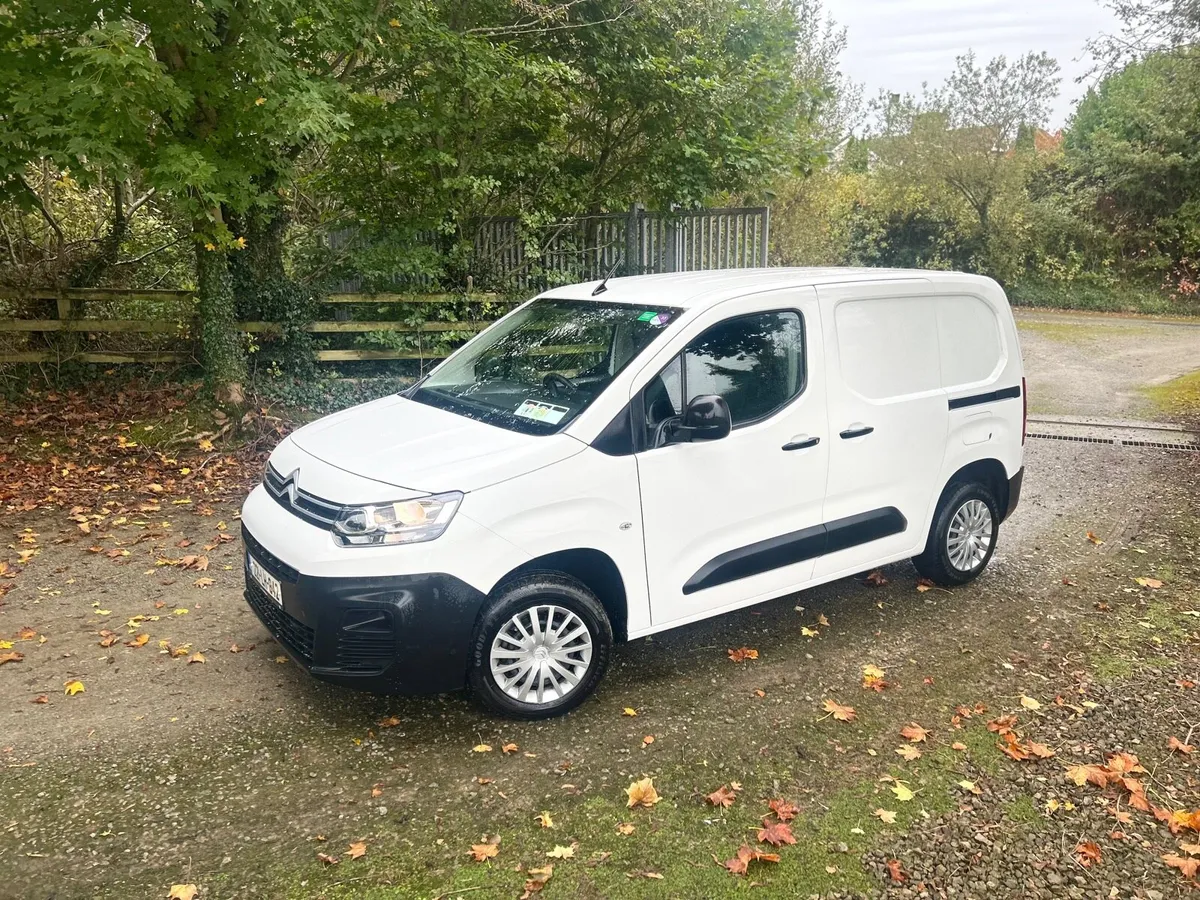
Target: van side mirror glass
column 706, row 418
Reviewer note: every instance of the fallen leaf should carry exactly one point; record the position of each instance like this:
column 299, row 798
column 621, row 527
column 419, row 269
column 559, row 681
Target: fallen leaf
column 839, row 712
column 538, row 876
column 26, row 634
column 40, row 698
column 327, row 859
column 908, row 752
column 970, row 786
column 776, row 834
column 1174, row 743
column 914, row 733
column 887, row 816
column 73, row 687
column 139, row 640
column 746, row 854
column 389, row 722
column 11, row 657
column 648, row 740
column 200, row 583
column 1152, row 583
column 626, row 828
column 1041, row 751
column 1091, row 536
column 544, row 819
column 743, row 653
column 182, row 892
column 642, row 793
column 722, row 796
column 484, row 852
column 783, row 810
column 895, row 872
column 629, row 711
column 809, row 632
column 509, row 748
column 197, row 657
column 876, row 579
column 1187, row 867
column 1030, row 703
column 1087, row 852
column 482, row 748
column 959, row 746
column 924, row 584
column 902, row 791
column 561, row 852
column 357, row 850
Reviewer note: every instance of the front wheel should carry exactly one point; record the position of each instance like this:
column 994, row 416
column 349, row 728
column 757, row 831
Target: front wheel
column 540, row 647
column 962, row 537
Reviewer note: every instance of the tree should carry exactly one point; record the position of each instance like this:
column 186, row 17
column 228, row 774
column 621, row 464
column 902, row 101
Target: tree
column 1134, row 152
column 1148, row 26
column 959, row 142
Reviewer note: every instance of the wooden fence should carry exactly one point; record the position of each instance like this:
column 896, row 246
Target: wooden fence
column 71, row 303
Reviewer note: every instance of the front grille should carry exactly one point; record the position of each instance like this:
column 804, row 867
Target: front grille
column 269, row 560
column 366, row 642
column 289, row 631
column 309, row 507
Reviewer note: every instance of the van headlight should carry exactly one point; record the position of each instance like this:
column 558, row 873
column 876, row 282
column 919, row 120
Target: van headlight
column 405, row 522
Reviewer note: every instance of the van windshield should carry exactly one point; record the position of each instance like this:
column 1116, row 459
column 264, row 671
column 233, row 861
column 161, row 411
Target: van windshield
column 545, row 364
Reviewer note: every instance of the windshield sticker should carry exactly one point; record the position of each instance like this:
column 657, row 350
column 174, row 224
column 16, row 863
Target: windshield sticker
column 541, row 412
column 654, row 318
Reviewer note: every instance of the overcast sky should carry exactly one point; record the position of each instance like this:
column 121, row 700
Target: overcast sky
column 897, row 44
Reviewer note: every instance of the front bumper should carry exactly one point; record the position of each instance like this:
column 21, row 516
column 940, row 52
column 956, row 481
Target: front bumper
column 402, row 634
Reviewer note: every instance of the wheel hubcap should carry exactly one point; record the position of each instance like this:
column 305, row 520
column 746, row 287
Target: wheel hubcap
column 970, row 535
column 541, row 654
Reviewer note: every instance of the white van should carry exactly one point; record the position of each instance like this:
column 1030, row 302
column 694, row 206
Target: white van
column 611, row 460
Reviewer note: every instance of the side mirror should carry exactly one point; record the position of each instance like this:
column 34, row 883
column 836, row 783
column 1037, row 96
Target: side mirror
column 706, row 418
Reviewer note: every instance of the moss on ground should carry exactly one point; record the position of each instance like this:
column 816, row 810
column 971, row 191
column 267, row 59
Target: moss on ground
column 1178, row 397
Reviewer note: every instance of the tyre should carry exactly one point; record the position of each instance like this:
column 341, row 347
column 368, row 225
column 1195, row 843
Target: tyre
column 962, row 537
column 540, row 647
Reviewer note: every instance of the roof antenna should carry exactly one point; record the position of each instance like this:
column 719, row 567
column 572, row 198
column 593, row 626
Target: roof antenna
column 603, row 286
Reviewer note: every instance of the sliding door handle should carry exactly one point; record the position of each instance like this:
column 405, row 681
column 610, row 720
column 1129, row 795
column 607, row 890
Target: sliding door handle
column 802, row 444
column 851, row 433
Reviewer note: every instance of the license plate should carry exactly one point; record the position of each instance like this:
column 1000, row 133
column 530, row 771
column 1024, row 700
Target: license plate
column 265, row 579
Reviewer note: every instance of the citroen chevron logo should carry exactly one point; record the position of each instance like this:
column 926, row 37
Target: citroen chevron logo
column 291, row 487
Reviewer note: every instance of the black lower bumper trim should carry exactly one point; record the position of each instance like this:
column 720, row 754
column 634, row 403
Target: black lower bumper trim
column 403, row 634
column 1014, row 491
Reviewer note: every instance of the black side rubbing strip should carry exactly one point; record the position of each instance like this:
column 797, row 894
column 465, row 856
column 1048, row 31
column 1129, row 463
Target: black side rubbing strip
column 1011, row 393
column 788, row 549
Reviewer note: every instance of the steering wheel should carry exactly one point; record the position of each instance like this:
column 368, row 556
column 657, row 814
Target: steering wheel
column 559, row 385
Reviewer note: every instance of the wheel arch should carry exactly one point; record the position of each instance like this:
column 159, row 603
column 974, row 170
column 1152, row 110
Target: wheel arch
column 989, row 472
column 595, row 569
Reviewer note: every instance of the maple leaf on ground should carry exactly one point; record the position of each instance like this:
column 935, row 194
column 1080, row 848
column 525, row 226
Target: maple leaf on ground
column 722, row 796
column 544, row 819
column 1091, row 536
column 73, row 687
column 924, row 584
column 742, row 654
column 561, row 852
column 40, row 698
column 1011, row 746
column 482, row 748
column 139, row 640
column 1174, row 743
column 1041, row 751
column 783, row 810
column 537, row 880
column 13, row 656
column 26, row 634
column 839, row 712
column 914, row 733
column 389, row 722
column 642, row 793
column 1087, row 852
column 182, row 892
column 886, row 816
column 895, row 872
column 970, row 786
column 1152, row 583
column 876, row 579
column 903, row 792
column 1097, row 775
column 509, row 748
column 203, row 583
column 746, row 854
column 357, row 850
column 1125, row 764
column 108, row 638
column 909, row 752
column 626, row 828
column 959, row 746
column 1030, row 703
column 776, row 833
column 1003, row 724
column 1187, row 867
column 484, row 852
column 629, row 711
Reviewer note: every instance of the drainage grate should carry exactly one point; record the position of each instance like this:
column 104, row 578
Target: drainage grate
column 1181, row 446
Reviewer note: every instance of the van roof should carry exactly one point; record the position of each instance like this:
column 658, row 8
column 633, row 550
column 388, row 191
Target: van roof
column 688, row 290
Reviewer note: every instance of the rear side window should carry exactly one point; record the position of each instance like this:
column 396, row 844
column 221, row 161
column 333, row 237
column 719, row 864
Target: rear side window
column 889, row 347
column 755, row 362
column 969, row 334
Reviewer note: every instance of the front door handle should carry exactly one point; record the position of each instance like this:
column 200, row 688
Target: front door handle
column 803, row 444
column 851, row 433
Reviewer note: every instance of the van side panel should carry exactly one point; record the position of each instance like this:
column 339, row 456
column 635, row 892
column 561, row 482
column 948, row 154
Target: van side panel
column 590, row 501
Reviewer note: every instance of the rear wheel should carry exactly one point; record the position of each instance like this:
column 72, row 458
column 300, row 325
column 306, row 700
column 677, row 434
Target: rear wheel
column 540, row 648
column 962, row 537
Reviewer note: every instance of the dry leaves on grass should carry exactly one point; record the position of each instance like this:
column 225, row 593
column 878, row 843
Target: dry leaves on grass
column 722, row 797
column 357, row 850
column 839, row 712
column 913, row 733
column 544, row 819
column 783, row 810
column 908, row 752
column 873, row 678
column 182, row 892
column 740, row 863
column 886, row 816
column 487, row 850
column 776, row 833
column 642, row 793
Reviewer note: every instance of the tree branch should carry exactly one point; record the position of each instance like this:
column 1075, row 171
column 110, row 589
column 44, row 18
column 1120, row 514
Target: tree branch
column 46, row 214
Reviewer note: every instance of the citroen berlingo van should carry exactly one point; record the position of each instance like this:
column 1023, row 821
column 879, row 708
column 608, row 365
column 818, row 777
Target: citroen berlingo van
column 613, row 459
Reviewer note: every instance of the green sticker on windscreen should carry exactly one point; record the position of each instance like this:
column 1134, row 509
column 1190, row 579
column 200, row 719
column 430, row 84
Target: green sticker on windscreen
column 647, row 316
